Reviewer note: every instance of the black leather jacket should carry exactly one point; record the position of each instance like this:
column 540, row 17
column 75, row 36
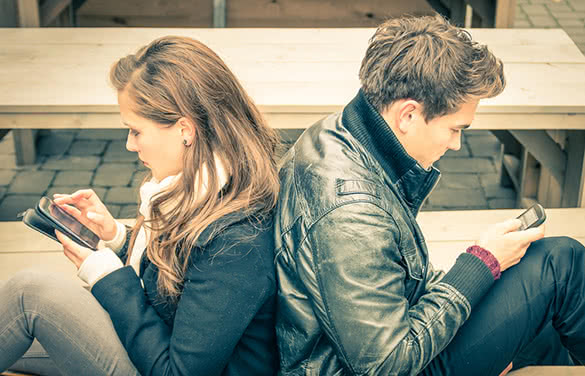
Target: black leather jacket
column 357, row 294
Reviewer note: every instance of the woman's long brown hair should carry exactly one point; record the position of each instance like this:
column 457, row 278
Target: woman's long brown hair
column 176, row 77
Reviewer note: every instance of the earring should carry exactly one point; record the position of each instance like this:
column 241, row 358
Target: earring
column 185, row 143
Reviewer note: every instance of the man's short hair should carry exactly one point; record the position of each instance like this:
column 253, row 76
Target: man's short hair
column 431, row 61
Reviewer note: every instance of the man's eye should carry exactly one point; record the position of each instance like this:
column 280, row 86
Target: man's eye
column 134, row 132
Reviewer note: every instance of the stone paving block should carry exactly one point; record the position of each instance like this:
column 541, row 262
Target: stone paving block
column 502, row 203
column 7, row 144
column 55, row 143
column 70, row 178
column 114, row 210
column 88, row 147
column 578, row 39
column 462, row 165
column 128, row 211
column 535, row 10
column 8, row 161
column 522, row 24
column 71, row 162
column 489, row 147
column 543, row 21
column 570, row 22
column 122, row 195
column 574, row 30
column 497, row 191
column 114, row 174
column 31, row 182
column 138, row 178
column 565, row 15
column 458, row 198
column 102, row 134
column 458, row 181
column 6, row 176
column 100, row 191
column 558, row 7
column 540, row 1
column 578, row 5
column 13, row 204
column 461, row 153
column 117, row 152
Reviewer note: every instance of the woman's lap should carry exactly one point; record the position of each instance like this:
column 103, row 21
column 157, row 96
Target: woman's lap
column 66, row 319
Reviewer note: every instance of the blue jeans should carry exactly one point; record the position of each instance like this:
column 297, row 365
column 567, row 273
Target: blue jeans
column 536, row 310
column 76, row 333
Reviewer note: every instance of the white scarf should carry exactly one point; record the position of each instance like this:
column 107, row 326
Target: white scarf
column 152, row 188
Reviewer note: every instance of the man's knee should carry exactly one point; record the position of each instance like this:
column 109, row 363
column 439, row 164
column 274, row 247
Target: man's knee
column 560, row 251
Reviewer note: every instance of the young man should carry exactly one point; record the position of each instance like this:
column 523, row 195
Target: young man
column 357, row 294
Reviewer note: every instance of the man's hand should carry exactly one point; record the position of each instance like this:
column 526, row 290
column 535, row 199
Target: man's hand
column 507, row 244
column 74, row 252
column 87, row 208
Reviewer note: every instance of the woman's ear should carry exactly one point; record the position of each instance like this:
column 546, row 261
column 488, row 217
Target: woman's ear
column 187, row 130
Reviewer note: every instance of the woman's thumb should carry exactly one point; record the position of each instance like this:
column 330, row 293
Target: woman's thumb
column 95, row 217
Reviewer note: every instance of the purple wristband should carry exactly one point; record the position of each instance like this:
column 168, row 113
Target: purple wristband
column 488, row 259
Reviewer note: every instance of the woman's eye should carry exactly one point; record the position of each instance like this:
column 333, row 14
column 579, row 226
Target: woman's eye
column 134, row 132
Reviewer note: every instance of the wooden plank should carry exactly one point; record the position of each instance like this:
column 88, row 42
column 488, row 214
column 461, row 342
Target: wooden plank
column 529, row 178
column 447, row 226
column 513, row 45
column 252, row 13
column 24, row 146
column 511, row 166
column 485, row 10
column 545, row 150
column 547, row 88
column 28, row 13
column 51, row 9
column 573, row 187
column 505, row 13
column 549, row 371
column 219, row 13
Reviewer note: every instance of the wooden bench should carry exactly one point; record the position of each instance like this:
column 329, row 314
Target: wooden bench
column 57, row 78
column 447, row 233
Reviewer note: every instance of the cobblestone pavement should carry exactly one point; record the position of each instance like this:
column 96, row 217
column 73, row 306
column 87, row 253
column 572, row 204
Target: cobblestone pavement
column 72, row 159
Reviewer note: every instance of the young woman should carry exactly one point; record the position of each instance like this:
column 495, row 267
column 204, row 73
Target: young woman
column 190, row 290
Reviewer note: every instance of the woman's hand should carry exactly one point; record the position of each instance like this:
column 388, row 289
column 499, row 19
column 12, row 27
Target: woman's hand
column 87, row 208
column 74, row 252
column 507, row 244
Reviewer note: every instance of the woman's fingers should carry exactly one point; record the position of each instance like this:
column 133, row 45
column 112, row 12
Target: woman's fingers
column 73, row 251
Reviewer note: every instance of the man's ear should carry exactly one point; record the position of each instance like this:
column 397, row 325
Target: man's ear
column 187, row 130
column 406, row 114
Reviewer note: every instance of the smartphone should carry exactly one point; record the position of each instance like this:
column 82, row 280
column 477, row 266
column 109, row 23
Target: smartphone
column 533, row 217
column 48, row 217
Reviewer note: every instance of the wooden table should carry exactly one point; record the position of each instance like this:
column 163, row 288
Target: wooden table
column 57, row 78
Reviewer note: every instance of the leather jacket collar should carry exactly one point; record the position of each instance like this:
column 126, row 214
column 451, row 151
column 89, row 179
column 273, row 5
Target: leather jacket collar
column 366, row 124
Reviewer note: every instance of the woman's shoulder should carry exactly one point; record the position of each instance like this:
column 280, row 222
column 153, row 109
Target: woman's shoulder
column 238, row 237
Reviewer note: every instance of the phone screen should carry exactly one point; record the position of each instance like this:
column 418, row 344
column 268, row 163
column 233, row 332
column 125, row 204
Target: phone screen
column 73, row 224
column 528, row 218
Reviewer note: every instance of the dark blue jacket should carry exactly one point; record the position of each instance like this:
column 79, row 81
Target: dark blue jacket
column 223, row 323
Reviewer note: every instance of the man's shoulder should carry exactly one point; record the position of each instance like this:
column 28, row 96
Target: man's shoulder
column 326, row 168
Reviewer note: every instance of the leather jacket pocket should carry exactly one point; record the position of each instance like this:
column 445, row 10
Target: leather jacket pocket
column 414, row 264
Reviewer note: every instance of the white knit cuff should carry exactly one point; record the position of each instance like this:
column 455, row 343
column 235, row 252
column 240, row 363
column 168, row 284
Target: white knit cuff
column 99, row 264
column 118, row 242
